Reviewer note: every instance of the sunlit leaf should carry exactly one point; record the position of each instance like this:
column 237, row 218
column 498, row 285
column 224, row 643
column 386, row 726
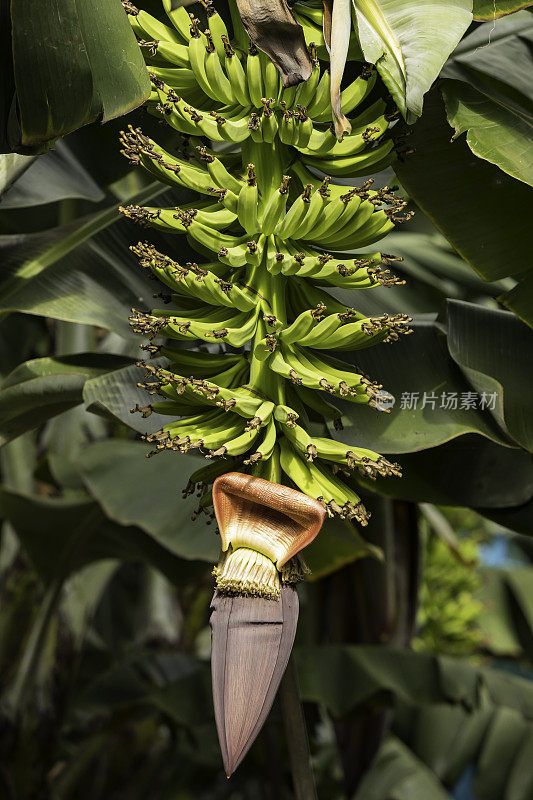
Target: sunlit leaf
column 493, row 9
column 409, row 42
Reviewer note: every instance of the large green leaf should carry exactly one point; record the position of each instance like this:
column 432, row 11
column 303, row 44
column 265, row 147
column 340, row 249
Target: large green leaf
column 397, row 774
column 493, row 9
column 342, row 677
column 518, row 518
column 134, row 490
column 493, row 744
column 488, row 57
column 520, row 299
column 481, row 210
column 418, row 367
column 339, row 543
column 80, row 272
column 56, row 175
column 496, row 623
column 495, row 130
column 72, row 63
column 495, row 351
column 44, row 387
column 409, row 42
column 115, row 394
column 469, row 471
column 62, row 535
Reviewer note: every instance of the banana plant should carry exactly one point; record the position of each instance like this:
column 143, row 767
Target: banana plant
column 256, row 403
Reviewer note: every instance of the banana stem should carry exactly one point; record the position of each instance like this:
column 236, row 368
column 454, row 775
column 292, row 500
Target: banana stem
column 296, row 733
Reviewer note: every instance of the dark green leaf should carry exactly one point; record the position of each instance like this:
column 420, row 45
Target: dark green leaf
column 73, row 63
column 62, row 535
column 520, row 300
column 134, row 490
column 488, row 57
column 468, row 471
column 518, row 518
column 338, row 543
column 482, row 211
column 397, row 774
column 57, row 175
column 38, row 390
column 495, row 351
column 342, row 677
column 495, row 130
column 80, row 272
column 418, row 364
column 497, row 622
column 115, row 394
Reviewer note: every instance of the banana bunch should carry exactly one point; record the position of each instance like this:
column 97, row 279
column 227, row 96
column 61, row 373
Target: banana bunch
column 277, row 236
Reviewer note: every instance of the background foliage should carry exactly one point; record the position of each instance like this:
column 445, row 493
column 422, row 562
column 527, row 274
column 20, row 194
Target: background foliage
column 105, row 581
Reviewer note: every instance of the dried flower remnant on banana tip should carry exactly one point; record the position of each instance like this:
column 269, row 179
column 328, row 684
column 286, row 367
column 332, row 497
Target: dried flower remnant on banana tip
column 279, row 237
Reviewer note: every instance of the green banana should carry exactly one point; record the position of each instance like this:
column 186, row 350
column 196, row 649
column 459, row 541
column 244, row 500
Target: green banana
column 236, row 74
column 218, row 31
column 179, row 18
column 218, row 81
column 275, row 208
column 254, row 77
column 248, row 201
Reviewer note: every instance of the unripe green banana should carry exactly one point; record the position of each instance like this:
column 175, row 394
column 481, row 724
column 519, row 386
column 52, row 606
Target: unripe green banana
column 218, row 30
column 254, row 75
column 180, row 20
column 236, row 74
column 248, row 201
column 295, row 215
column 275, row 207
column 218, row 81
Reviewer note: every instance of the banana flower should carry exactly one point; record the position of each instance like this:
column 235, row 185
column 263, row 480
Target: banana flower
column 254, row 610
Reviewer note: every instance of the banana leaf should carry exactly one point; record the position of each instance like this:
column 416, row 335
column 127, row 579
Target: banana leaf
column 66, row 64
column 494, row 101
column 489, row 229
column 134, row 490
column 409, row 42
column 81, row 271
column 74, row 532
column 493, row 9
column 397, row 774
column 42, row 388
column 56, row 175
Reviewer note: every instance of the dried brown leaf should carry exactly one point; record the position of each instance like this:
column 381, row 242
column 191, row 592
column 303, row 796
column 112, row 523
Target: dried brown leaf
column 273, row 29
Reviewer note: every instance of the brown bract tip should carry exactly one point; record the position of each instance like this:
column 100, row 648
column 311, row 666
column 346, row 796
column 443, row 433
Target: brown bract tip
column 252, row 640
